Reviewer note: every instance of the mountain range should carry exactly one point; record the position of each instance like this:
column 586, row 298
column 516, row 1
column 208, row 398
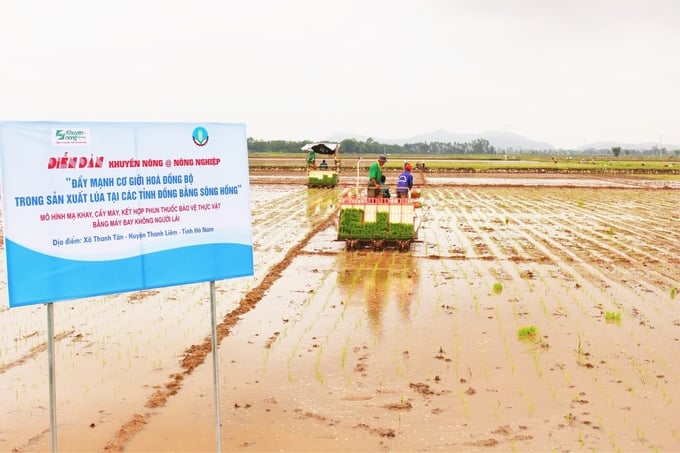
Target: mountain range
column 497, row 139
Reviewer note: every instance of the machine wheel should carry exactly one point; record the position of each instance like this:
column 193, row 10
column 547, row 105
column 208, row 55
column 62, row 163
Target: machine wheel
column 378, row 244
column 403, row 245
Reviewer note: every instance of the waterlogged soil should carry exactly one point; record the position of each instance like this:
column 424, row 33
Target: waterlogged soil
column 333, row 350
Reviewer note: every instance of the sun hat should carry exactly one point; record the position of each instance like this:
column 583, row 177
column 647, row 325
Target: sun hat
column 382, row 158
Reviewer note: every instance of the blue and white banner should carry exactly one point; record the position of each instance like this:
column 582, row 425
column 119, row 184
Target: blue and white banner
column 99, row 208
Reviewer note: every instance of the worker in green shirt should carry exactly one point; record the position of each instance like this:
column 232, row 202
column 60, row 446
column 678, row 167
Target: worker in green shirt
column 311, row 159
column 374, row 189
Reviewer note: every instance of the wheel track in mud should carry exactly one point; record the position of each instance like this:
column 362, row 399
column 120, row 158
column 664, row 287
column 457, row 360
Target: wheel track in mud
column 625, row 248
column 616, row 283
column 195, row 355
column 569, row 250
column 482, row 254
column 599, row 251
column 490, row 255
column 617, row 266
column 284, row 216
column 526, row 253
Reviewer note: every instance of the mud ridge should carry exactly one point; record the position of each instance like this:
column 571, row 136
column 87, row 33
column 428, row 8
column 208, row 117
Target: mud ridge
column 195, row 355
column 42, row 347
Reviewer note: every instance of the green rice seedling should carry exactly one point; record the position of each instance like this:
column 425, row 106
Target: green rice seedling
column 612, row 316
column 580, row 353
column 485, row 368
column 466, row 409
column 537, row 364
column 666, row 396
column 580, row 203
column 496, row 409
column 610, row 231
column 291, row 376
column 676, row 434
column 497, row 288
column 508, row 354
column 527, row 332
column 612, row 439
column 317, row 365
column 674, row 292
column 343, row 354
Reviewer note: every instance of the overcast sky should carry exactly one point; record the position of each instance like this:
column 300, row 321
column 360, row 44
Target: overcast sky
column 564, row 72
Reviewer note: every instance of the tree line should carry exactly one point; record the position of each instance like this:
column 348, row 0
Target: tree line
column 478, row 146
column 370, row 146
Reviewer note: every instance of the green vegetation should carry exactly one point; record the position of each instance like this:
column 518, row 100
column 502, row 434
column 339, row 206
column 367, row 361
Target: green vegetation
column 370, row 146
column 480, row 156
column 613, row 316
column 667, row 168
column 352, row 226
column 527, row 332
column 674, row 292
column 497, row 288
column 326, row 180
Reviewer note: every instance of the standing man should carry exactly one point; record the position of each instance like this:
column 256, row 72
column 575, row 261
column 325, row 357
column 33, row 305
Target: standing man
column 405, row 182
column 374, row 189
column 311, row 159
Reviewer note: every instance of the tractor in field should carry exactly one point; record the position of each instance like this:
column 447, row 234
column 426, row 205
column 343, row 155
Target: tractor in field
column 378, row 223
column 323, row 164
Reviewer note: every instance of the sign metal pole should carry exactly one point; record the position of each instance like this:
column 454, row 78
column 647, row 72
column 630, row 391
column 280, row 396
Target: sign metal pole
column 216, row 381
column 50, row 358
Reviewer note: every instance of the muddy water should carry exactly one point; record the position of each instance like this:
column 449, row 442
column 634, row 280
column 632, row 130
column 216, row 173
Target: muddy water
column 357, row 351
column 368, row 351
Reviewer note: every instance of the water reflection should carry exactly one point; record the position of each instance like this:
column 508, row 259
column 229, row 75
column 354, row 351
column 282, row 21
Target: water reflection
column 320, row 202
column 376, row 281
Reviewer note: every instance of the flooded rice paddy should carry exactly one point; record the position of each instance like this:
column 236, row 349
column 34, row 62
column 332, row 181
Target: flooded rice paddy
column 329, row 350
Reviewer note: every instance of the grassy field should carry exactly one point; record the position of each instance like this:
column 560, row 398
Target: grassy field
column 667, row 167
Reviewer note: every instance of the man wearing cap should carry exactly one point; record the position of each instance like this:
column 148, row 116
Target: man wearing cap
column 374, row 189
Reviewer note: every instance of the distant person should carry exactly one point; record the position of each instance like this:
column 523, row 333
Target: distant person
column 405, row 182
column 323, row 165
column 311, row 159
column 385, row 190
column 374, row 189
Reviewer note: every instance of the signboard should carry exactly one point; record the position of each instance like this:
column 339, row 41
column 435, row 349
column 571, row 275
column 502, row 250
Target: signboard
column 98, row 208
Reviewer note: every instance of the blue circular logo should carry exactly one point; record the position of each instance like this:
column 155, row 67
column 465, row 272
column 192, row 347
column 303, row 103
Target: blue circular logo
column 200, row 136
